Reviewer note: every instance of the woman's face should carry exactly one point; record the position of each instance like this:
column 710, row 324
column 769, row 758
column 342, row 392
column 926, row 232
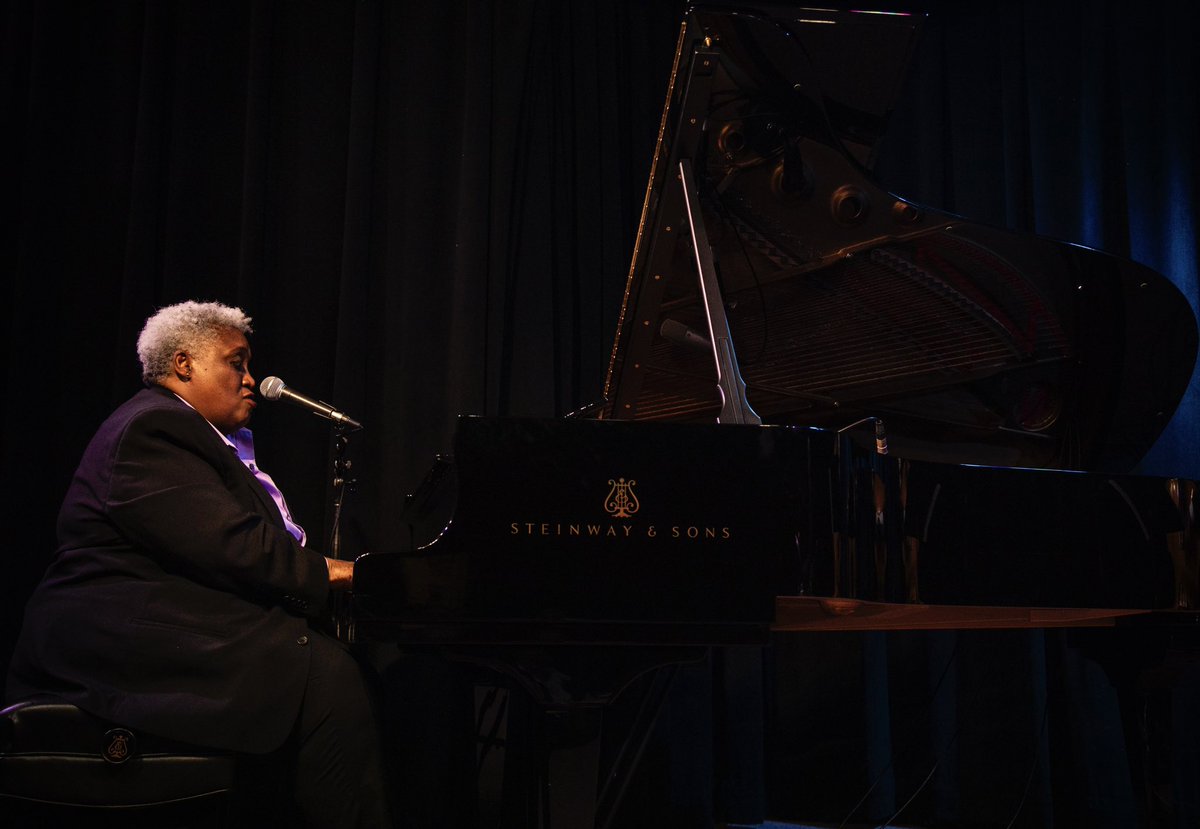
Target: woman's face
column 221, row 387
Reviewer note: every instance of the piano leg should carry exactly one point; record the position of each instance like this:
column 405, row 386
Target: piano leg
column 561, row 768
column 568, row 792
column 630, row 754
column 569, row 769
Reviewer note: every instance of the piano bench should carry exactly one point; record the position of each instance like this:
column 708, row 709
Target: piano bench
column 61, row 765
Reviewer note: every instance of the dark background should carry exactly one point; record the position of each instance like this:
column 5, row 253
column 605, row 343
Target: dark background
column 429, row 209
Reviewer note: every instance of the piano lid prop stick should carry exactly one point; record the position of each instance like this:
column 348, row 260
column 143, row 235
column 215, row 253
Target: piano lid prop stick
column 735, row 408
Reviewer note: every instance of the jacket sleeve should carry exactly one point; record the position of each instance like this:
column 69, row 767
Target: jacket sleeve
column 176, row 499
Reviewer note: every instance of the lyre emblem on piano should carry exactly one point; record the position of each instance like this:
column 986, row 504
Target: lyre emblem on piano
column 621, row 502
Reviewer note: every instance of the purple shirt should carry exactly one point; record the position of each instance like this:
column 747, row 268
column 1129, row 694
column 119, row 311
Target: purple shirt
column 242, row 442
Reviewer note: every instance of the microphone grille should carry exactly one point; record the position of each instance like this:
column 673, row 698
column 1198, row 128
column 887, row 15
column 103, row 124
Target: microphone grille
column 271, row 387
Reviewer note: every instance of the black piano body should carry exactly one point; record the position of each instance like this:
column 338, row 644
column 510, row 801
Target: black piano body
column 567, row 532
column 549, row 533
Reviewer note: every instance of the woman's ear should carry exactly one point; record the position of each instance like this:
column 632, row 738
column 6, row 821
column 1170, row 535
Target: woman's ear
column 182, row 364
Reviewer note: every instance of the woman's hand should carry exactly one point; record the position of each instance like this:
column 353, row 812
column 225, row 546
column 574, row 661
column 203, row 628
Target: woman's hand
column 341, row 573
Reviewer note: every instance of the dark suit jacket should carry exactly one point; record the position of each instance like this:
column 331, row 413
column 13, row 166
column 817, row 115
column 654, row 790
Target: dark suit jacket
column 176, row 602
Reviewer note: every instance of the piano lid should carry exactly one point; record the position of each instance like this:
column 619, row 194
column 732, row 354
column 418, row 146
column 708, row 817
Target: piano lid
column 973, row 344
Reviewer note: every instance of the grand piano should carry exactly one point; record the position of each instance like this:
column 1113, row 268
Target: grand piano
column 826, row 408
column 853, row 381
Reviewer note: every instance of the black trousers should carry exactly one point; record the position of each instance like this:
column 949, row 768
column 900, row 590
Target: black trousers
column 333, row 752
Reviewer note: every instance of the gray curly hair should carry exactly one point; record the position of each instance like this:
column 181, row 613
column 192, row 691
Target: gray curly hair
column 187, row 326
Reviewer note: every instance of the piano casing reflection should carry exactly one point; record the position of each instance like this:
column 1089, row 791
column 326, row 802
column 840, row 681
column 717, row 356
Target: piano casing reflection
column 568, row 532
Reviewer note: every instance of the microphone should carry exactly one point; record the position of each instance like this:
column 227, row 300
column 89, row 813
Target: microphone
column 273, row 388
column 676, row 331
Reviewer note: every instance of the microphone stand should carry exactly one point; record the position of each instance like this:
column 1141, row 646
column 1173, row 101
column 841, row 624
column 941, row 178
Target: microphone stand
column 341, row 484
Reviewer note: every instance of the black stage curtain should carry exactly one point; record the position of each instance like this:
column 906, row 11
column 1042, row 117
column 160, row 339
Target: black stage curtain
column 429, row 209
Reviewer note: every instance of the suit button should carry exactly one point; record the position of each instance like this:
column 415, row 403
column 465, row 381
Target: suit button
column 303, row 640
